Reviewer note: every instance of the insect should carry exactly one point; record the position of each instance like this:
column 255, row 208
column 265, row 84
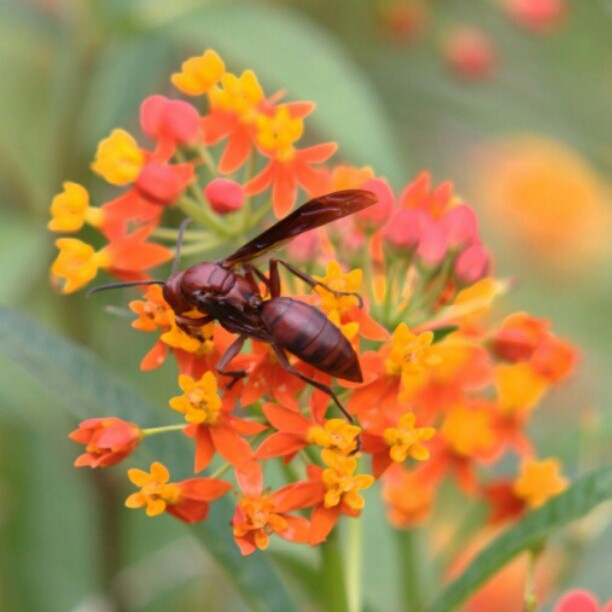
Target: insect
column 227, row 291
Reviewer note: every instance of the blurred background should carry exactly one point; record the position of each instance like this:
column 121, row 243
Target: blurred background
column 510, row 99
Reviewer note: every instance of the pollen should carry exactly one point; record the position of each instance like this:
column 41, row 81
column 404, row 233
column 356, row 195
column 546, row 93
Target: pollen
column 156, row 492
column 200, row 402
column 199, row 75
column 338, row 280
column 538, row 481
column 118, row 158
column 342, row 484
column 278, row 133
column 405, row 439
column 240, row 95
column 336, row 435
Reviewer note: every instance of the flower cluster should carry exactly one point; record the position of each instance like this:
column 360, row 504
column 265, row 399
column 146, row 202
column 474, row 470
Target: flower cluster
column 447, row 391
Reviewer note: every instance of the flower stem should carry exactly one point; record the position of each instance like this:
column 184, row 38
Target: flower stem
column 220, row 471
column 152, row 431
column 353, row 565
column 531, row 597
column 167, row 233
column 410, row 578
column 332, row 575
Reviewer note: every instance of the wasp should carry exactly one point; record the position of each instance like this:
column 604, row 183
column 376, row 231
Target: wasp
column 228, row 291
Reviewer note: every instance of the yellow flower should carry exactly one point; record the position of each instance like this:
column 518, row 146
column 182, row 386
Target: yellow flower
column 342, row 484
column 538, row 481
column 118, row 158
column 70, row 210
column 77, row 263
column 199, row 74
column 336, row 435
column 278, row 133
column 241, row 95
column 519, row 387
column 199, row 341
column 156, row 493
column 469, row 431
column 410, row 356
column 339, row 281
column 350, row 329
column 200, row 402
column 405, row 439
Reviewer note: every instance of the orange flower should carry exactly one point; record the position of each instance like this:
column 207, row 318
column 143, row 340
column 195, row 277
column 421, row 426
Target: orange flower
column 295, row 432
column 78, row 263
column 408, row 496
column 335, row 491
column 258, row 516
column 188, row 500
column 519, row 386
column 390, row 440
column 286, row 172
column 538, row 481
column 107, row 441
column 211, row 423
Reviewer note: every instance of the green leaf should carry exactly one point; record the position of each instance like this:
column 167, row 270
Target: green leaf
column 290, row 51
column 442, row 332
column 586, row 493
column 75, row 378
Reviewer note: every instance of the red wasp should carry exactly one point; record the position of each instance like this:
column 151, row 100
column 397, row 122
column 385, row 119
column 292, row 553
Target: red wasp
column 226, row 290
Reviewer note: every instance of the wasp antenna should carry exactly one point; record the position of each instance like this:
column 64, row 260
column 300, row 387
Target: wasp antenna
column 121, row 285
column 179, row 244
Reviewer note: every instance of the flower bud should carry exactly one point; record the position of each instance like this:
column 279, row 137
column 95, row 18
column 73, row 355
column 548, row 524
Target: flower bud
column 174, row 120
column 107, row 441
column 537, row 15
column 433, row 246
column 163, row 183
column 554, row 359
column 374, row 217
column 461, row 226
column 403, row 231
column 470, row 53
column 519, row 336
column 224, row 196
column 471, row 265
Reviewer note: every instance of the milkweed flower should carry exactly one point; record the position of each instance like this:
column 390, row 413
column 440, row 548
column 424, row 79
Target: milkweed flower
column 188, row 500
column 581, row 600
column 107, row 441
column 539, row 481
column 70, row 210
column 118, row 158
column 199, row 74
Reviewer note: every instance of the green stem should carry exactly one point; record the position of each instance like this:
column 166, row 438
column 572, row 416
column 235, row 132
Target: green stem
column 220, row 471
column 353, row 563
column 410, row 578
column 167, row 233
column 194, row 249
column 152, row 431
column 531, row 597
column 332, row 575
column 206, row 157
column 198, row 210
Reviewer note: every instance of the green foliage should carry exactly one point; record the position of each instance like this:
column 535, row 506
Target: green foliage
column 586, row 493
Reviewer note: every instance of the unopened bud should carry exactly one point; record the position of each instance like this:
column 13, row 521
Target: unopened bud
column 224, row 196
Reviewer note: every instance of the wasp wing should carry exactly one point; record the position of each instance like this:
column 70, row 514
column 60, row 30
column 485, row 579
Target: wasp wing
column 309, row 216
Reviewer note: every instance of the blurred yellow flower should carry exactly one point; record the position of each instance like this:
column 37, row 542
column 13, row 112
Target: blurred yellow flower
column 547, row 199
column 118, row 158
column 199, row 74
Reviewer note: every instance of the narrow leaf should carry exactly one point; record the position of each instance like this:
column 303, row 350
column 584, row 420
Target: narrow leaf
column 586, row 493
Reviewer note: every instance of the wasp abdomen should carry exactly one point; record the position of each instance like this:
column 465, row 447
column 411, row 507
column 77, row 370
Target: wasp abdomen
column 306, row 332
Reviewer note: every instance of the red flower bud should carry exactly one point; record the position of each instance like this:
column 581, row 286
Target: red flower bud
column 174, row 120
column 537, row 15
column 432, row 245
column 470, row 53
column 471, row 265
column 554, row 358
column 403, row 231
column 519, row 336
column 163, row 183
column 107, row 441
column 224, row 196
column 375, row 216
column 461, row 225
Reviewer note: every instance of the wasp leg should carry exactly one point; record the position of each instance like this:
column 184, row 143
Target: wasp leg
column 312, row 282
column 282, row 358
column 232, row 350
